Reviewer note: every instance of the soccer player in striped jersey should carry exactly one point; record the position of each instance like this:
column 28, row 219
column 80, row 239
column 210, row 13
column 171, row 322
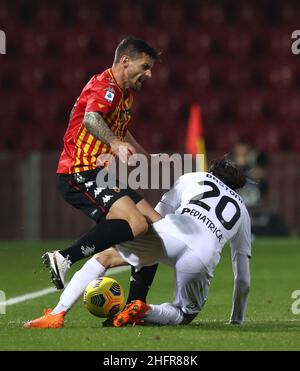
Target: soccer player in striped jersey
column 98, row 125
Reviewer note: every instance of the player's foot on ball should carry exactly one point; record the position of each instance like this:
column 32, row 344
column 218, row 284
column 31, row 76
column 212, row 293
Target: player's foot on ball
column 58, row 267
column 132, row 313
column 48, row 320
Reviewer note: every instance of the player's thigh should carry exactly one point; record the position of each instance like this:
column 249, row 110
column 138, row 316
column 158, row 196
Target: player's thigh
column 191, row 289
column 125, row 208
column 173, row 248
column 148, row 211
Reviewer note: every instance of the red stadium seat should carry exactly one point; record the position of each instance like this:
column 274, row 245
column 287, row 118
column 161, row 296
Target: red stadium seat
column 290, row 15
column 290, row 134
column 250, row 107
column 170, row 16
column 73, row 79
column 280, row 42
column 88, row 15
column 289, row 108
column 35, row 43
column 199, row 46
column 245, row 78
column 159, row 38
column 267, row 138
column 249, row 13
column 210, row 13
column 237, row 41
column 223, row 139
column 281, row 76
column 48, row 16
column 74, row 44
column 211, row 105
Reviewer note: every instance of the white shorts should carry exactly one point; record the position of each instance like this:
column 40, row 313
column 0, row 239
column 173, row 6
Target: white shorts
column 191, row 278
column 191, row 288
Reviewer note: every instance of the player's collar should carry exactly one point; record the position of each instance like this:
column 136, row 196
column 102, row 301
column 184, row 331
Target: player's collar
column 115, row 81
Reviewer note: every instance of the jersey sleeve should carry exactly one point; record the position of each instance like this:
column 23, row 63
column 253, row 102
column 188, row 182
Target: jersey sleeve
column 241, row 241
column 101, row 99
column 171, row 200
column 241, row 270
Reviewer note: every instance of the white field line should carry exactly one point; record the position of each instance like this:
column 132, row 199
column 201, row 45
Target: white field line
column 50, row 290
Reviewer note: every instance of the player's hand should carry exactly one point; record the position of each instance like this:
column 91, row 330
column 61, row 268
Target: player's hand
column 122, row 149
column 234, row 322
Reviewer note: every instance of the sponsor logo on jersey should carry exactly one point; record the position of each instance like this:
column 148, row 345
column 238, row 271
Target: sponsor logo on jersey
column 88, row 250
column 79, row 178
column 106, row 198
column 88, row 185
column 97, row 191
column 205, row 220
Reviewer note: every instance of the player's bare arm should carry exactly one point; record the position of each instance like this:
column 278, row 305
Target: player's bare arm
column 97, row 126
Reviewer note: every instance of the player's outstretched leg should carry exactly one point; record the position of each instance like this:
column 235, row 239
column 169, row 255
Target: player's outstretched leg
column 55, row 318
column 105, row 234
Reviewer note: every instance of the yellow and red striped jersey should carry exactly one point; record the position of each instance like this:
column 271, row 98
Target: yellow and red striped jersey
column 101, row 94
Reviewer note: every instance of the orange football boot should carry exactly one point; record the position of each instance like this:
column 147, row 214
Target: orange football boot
column 132, row 313
column 48, row 320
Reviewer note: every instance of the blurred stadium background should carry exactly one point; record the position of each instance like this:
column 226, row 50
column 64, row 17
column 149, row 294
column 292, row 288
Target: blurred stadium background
column 233, row 58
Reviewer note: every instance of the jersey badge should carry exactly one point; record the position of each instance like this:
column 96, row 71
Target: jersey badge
column 109, row 96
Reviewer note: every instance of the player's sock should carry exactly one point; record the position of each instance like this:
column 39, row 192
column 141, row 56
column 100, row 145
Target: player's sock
column 164, row 314
column 140, row 283
column 105, row 234
column 91, row 270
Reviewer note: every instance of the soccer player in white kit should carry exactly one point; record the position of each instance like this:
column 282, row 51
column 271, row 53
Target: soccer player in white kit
column 199, row 215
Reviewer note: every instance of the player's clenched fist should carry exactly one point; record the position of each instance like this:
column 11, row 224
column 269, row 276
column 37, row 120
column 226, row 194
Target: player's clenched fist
column 122, row 149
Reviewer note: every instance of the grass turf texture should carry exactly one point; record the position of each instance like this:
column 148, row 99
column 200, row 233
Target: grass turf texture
column 270, row 324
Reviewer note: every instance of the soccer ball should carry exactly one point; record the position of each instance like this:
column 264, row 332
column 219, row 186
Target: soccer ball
column 104, row 297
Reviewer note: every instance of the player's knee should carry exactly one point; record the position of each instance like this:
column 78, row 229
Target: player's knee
column 103, row 259
column 138, row 224
column 136, row 220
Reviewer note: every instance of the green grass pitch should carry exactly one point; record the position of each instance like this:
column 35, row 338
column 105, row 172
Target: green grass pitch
column 270, row 323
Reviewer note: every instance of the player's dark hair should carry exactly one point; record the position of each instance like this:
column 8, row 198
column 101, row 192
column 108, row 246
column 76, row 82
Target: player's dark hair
column 228, row 172
column 133, row 47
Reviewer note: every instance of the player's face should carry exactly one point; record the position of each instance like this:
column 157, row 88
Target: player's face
column 139, row 70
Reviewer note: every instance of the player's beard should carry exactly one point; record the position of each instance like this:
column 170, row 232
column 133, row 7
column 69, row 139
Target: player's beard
column 138, row 83
column 137, row 86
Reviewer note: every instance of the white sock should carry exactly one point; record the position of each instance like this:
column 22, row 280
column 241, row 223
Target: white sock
column 164, row 314
column 91, row 270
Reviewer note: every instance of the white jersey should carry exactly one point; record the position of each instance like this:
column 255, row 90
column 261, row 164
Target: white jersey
column 204, row 213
